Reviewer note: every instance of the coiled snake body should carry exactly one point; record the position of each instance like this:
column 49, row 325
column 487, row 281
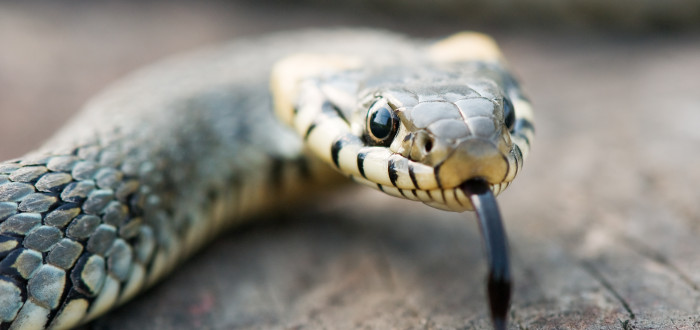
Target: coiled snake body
column 154, row 167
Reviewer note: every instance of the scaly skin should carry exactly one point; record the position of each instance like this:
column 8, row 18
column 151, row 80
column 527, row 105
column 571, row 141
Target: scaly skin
column 151, row 170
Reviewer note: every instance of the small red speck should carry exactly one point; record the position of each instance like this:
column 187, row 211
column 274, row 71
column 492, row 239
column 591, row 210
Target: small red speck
column 203, row 305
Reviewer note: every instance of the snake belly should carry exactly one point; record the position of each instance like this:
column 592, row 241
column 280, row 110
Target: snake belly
column 150, row 170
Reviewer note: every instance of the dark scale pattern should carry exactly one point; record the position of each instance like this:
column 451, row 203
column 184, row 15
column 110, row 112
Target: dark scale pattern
column 7, row 209
column 83, row 231
column 66, row 225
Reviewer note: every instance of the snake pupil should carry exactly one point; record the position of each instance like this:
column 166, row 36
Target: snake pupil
column 381, row 123
column 508, row 114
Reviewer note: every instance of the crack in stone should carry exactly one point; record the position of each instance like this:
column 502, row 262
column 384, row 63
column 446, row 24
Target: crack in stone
column 591, row 270
column 660, row 259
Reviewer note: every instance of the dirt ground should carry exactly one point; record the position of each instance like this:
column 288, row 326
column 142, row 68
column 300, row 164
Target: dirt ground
column 603, row 221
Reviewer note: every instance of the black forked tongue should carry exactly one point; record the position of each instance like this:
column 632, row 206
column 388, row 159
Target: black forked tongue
column 496, row 242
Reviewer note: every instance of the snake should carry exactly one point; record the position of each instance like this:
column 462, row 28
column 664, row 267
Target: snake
column 154, row 167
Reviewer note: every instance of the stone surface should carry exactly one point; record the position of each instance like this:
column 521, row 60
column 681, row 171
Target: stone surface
column 603, row 220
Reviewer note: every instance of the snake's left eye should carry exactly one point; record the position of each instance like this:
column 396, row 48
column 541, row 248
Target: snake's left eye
column 382, row 123
column 508, row 113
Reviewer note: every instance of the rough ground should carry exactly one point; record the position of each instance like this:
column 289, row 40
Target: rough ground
column 604, row 221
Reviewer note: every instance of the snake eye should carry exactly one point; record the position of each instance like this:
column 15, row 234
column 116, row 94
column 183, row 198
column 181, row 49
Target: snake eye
column 381, row 123
column 508, row 113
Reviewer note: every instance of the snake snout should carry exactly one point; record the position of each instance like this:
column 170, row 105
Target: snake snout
column 473, row 158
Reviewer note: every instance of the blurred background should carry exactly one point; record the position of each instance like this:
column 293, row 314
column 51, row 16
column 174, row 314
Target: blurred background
column 56, row 54
column 603, row 221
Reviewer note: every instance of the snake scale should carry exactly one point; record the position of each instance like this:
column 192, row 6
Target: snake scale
column 154, row 167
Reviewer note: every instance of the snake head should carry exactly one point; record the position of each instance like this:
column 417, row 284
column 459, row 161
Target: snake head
column 414, row 127
column 456, row 120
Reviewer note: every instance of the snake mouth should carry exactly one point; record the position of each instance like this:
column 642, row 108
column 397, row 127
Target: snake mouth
column 451, row 199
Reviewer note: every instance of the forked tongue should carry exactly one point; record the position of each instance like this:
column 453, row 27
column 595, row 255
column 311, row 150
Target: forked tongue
column 496, row 242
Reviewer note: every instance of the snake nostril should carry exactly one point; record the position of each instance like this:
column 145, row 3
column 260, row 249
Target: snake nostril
column 423, row 145
column 428, row 145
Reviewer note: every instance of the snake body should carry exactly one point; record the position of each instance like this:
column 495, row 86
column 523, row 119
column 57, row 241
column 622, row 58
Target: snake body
column 157, row 165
